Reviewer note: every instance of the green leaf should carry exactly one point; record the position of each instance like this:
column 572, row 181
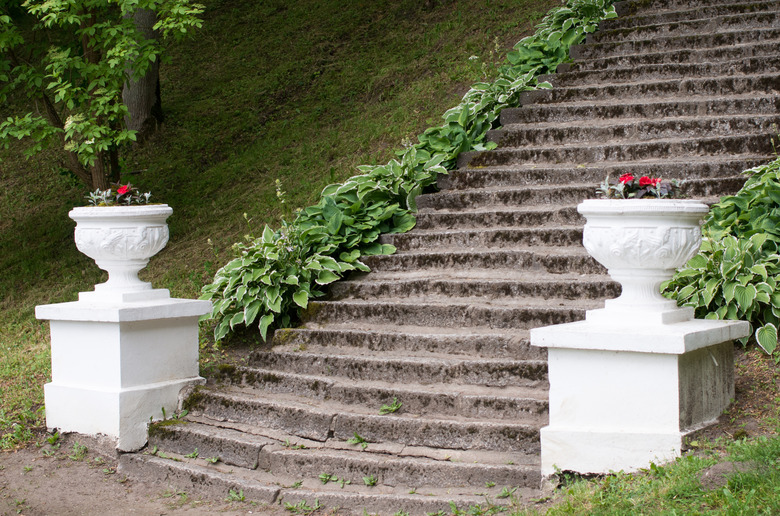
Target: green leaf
column 745, row 295
column 301, row 298
column 265, row 322
column 766, row 336
column 325, row 277
column 251, row 310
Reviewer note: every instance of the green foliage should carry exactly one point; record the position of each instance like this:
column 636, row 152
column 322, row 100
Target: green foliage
column 77, row 74
column 327, row 240
column 734, row 276
column 395, row 406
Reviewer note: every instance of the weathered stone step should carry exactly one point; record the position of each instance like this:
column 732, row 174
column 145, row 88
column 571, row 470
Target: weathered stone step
column 497, row 217
column 673, row 43
column 599, row 152
column 761, row 49
column 694, row 167
column 757, row 84
column 651, row 72
column 685, row 14
column 325, row 420
column 267, row 489
column 651, row 108
column 707, row 24
column 631, row 129
column 383, row 338
column 494, row 196
column 640, row 7
column 476, row 313
column 391, row 367
column 511, row 286
column 425, row 390
column 487, row 237
column 553, row 260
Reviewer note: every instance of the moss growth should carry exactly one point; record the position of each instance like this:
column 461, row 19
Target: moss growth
column 194, row 399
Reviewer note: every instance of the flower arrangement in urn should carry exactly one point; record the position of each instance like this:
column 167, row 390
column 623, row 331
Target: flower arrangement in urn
column 118, row 195
column 629, row 186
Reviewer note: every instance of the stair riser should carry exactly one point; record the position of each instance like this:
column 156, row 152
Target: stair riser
column 758, row 144
column 652, row 108
column 454, row 200
column 179, row 439
column 467, row 345
column 508, row 219
column 712, row 23
column 378, row 429
column 649, row 72
column 758, row 85
column 672, row 44
column 520, row 260
column 642, row 7
column 681, row 57
column 492, row 290
column 389, row 370
column 527, row 134
column 625, row 22
column 391, row 473
column 446, row 316
column 480, row 178
column 485, row 238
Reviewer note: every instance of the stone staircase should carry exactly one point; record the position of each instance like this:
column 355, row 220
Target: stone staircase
column 672, row 88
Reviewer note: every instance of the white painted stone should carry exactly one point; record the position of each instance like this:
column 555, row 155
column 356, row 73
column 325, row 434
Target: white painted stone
column 115, row 366
column 629, row 382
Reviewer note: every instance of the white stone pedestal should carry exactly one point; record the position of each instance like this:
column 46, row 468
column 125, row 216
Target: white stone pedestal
column 117, row 363
column 624, row 396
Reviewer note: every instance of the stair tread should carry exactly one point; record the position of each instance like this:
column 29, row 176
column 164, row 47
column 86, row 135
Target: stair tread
column 676, row 99
column 634, row 121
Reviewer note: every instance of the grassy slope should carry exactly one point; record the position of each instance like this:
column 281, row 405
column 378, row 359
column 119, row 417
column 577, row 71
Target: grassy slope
column 302, row 92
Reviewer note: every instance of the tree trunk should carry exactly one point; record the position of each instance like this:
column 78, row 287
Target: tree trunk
column 141, row 95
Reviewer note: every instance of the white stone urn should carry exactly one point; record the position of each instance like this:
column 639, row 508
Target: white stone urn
column 121, row 240
column 642, row 242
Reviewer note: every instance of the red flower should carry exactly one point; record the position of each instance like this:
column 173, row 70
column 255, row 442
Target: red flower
column 626, row 178
column 123, row 189
column 646, row 181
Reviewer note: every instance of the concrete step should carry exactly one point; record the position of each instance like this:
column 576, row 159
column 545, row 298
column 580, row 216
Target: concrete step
column 761, row 84
column 496, row 196
column 711, row 56
column 673, row 43
column 662, row 71
column 641, row 7
column 304, row 418
column 650, row 108
column 705, row 23
column 631, row 129
column 386, row 338
column 463, row 312
column 349, row 380
column 553, row 260
column 392, row 367
column 629, row 150
column 485, row 238
column 283, row 491
column 692, row 168
column 684, row 14
column 510, row 286
column 507, row 217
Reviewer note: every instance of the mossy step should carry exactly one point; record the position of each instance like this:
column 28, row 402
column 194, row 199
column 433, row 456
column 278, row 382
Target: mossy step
column 705, row 22
column 417, row 393
column 323, row 420
column 513, row 196
column 757, row 84
column 280, row 491
column 381, row 338
column 687, row 168
column 507, row 217
column 685, row 13
column 523, row 314
column 650, row 108
column 674, row 43
column 627, row 8
column 486, row 237
column 553, row 260
column 510, row 286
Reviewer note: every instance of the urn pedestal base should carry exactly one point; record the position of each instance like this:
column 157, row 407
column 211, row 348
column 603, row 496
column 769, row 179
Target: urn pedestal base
column 117, row 365
column 622, row 397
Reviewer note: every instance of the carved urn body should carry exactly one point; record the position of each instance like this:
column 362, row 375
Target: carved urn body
column 642, row 242
column 121, row 240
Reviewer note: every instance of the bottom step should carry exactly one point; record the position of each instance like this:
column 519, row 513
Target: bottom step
column 302, row 495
